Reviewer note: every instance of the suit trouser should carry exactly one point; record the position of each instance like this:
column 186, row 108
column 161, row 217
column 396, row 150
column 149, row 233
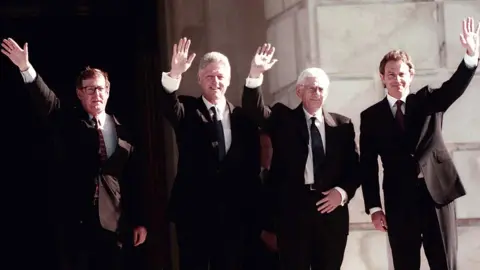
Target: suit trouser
column 308, row 239
column 91, row 247
column 211, row 244
column 417, row 220
column 258, row 256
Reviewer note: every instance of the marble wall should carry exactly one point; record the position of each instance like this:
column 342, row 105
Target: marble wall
column 348, row 38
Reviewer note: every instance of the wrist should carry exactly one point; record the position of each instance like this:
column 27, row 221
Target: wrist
column 472, row 53
column 25, row 67
column 254, row 75
column 174, row 74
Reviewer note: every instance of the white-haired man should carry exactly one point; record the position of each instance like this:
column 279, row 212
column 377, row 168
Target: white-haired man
column 216, row 186
column 313, row 170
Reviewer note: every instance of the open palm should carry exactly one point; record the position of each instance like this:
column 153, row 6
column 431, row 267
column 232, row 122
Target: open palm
column 181, row 61
column 470, row 36
column 15, row 53
column 262, row 61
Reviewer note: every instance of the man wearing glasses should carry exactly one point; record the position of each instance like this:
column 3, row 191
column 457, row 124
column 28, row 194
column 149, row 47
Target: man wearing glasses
column 313, row 168
column 97, row 187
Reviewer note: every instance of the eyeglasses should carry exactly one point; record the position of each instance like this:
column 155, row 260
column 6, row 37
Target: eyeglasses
column 312, row 89
column 90, row 90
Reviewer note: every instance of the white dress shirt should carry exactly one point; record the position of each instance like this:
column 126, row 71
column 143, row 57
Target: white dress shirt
column 171, row 85
column 106, row 125
column 320, row 123
column 105, row 121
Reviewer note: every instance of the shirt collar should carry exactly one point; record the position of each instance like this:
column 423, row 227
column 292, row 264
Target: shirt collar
column 318, row 114
column 392, row 101
column 100, row 118
column 220, row 106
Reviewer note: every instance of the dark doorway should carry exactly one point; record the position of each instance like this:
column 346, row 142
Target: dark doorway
column 64, row 37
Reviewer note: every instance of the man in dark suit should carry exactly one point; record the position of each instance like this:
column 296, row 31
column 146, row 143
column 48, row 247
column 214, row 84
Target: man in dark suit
column 420, row 181
column 214, row 195
column 98, row 189
column 313, row 168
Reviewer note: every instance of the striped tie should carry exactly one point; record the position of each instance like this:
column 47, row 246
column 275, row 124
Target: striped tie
column 102, row 149
column 102, row 152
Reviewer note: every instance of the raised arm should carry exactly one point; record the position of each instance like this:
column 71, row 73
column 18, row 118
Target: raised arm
column 252, row 98
column 45, row 99
column 171, row 105
column 440, row 99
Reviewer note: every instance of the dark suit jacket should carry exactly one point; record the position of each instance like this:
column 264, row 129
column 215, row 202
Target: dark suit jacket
column 290, row 138
column 422, row 144
column 205, row 189
column 265, row 217
column 78, row 165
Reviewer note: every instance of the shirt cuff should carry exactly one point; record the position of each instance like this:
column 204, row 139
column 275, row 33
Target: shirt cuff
column 254, row 82
column 343, row 194
column 170, row 84
column 471, row 61
column 375, row 209
column 29, row 75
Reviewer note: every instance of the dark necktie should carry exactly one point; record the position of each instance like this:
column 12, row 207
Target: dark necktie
column 399, row 117
column 317, row 146
column 220, row 136
column 102, row 152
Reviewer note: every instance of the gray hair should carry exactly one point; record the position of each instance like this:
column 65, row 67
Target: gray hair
column 318, row 73
column 213, row 57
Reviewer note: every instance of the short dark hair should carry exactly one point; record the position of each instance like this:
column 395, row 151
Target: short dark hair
column 89, row 73
column 396, row 55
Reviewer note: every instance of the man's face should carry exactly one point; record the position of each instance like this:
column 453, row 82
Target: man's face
column 266, row 151
column 94, row 95
column 214, row 80
column 311, row 93
column 397, row 78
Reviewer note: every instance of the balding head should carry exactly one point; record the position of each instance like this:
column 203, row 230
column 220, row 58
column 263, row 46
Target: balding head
column 312, row 89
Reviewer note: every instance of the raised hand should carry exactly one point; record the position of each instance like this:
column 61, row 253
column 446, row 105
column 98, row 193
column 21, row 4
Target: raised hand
column 470, row 36
column 181, row 61
column 262, row 61
column 16, row 54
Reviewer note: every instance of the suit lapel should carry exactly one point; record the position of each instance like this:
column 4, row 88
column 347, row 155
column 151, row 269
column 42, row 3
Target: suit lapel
column 301, row 123
column 230, row 112
column 203, row 111
column 330, row 136
column 206, row 123
column 386, row 114
column 386, row 118
column 417, row 127
column 119, row 132
column 122, row 147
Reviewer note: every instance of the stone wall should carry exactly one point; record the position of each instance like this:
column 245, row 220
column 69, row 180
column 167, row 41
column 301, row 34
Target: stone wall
column 348, row 39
